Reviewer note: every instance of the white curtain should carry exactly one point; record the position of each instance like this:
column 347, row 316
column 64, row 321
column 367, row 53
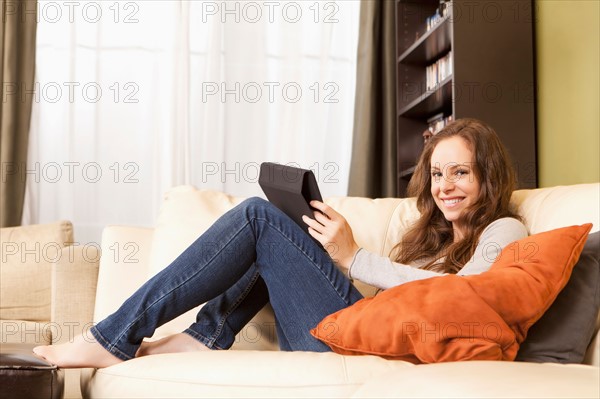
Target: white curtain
column 135, row 97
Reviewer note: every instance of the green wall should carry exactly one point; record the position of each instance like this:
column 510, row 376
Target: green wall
column 568, row 70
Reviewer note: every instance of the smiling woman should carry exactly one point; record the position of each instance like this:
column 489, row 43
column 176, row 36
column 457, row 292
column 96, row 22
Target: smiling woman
column 463, row 183
column 454, row 185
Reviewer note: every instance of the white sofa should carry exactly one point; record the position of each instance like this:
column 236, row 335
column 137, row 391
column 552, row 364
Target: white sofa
column 255, row 368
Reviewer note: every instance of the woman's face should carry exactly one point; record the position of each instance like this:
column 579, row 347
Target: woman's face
column 454, row 185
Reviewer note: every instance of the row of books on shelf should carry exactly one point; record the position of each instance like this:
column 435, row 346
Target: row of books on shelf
column 439, row 15
column 438, row 71
column 436, row 123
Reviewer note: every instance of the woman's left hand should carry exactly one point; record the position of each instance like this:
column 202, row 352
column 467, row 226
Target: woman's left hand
column 333, row 232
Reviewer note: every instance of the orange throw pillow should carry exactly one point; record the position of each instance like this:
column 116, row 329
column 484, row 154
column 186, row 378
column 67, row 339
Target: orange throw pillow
column 453, row 318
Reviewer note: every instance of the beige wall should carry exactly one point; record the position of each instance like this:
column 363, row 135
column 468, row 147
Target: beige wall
column 568, row 70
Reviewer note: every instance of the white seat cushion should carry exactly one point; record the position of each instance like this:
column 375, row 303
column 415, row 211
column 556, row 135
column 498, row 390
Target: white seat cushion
column 481, row 379
column 246, row 374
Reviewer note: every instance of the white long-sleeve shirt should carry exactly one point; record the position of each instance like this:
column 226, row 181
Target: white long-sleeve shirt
column 381, row 272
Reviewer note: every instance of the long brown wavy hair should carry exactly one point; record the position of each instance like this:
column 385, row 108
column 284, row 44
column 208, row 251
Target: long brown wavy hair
column 432, row 236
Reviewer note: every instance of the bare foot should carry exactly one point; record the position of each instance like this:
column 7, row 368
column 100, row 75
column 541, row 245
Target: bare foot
column 181, row 342
column 82, row 352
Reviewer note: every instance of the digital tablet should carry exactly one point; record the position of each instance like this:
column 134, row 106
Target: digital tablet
column 290, row 189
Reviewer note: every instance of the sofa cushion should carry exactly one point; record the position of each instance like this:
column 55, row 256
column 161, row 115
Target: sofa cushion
column 185, row 214
column 549, row 208
column 563, row 333
column 123, row 266
column 238, row 374
column 377, row 224
column 483, row 379
column 25, row 268
column 452, row 318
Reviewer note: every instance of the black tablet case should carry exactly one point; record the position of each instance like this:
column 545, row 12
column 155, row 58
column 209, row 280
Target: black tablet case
column 290, row 189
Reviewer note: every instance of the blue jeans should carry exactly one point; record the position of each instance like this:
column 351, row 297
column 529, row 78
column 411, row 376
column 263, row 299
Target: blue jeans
column 252, row 255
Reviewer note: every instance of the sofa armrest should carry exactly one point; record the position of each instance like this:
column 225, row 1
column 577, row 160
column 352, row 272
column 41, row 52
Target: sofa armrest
column 74, row 279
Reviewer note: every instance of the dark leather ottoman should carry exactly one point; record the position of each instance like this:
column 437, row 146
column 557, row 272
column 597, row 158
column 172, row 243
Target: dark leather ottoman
column 25, row 375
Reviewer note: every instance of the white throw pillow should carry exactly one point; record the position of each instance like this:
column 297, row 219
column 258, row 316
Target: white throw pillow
column 185, row 214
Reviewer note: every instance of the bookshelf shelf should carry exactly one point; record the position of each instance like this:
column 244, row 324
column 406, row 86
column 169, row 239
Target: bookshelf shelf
column 430, row 46
column 431, row 102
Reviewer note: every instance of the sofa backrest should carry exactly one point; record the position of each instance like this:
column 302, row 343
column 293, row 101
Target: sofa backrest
column 545, row 209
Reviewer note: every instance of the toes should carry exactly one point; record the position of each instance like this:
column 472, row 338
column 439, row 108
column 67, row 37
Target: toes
column 38, row 350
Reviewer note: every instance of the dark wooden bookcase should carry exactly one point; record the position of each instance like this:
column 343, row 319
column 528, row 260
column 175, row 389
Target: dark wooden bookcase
column 492, row 45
